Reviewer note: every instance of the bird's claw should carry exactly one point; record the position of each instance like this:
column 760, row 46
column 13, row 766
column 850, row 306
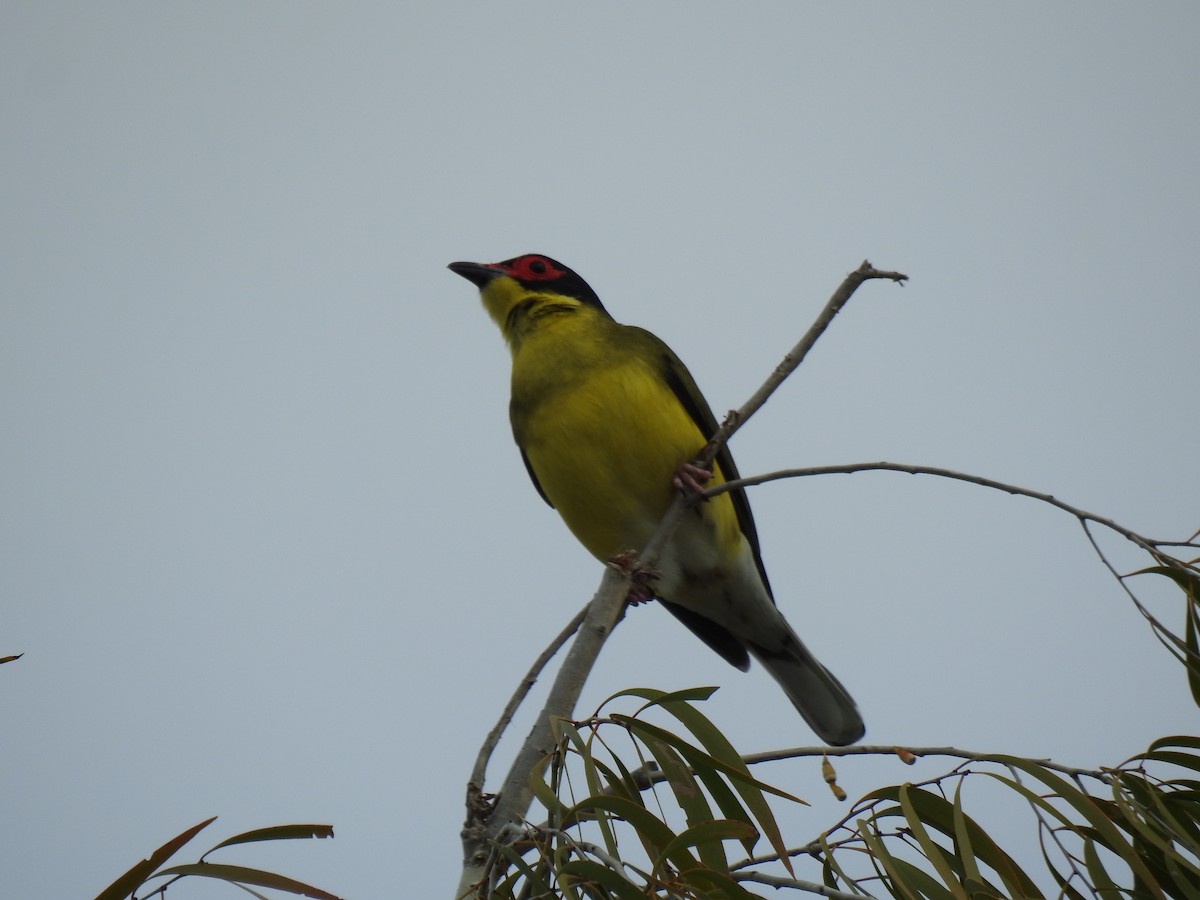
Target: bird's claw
column 639, row 589
column 691, row 478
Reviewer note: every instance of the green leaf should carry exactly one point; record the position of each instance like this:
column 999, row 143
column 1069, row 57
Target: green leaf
column 691, row 800
column 275, row 833
column 591, row 772
column 1159, row 831
column 717, row 787
column 713, row 740
column 714, row 885
column 1175, row 758
column 706, row 834
column 727, row 802
column 747, row 786
column 1184, row 813
column 243, row 875
column 1188, row 580
column 918, row 880
column 928, row 847
column 133, row 879
column 1175, row 740
column 656, row 697
column 832, row 870
column 522, row 869
column 682, row 782
column 546, row 796
column 937, row 813
column 1087, row 807
column 886, row 865
column 621, row 781
column 588, row 870
column 1185, row 577
column 734, row 769
column 1179, row 882
column 653, row 832
column 1096, row 871
column 962, row 838
column 1193, row 650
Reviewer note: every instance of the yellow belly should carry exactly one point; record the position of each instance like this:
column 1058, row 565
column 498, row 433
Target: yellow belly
column 604, row 449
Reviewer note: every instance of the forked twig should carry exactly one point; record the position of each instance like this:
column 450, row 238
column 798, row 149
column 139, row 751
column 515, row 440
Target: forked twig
column 1154, row 548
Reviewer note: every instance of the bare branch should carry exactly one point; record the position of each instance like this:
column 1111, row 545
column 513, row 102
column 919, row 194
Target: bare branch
column 516, row 792
column 893, row 750
column 479, row 773
column 850, row 468
column 796, row 884
column 1155, row 548
column 649, row 775
column 736, row 418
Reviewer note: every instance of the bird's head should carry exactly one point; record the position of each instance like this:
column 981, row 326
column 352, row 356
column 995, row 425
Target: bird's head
column 520, row 291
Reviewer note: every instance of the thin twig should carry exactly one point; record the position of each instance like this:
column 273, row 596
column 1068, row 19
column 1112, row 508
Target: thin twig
column 479, row 773
column 516, row 792
column 1153, row 547
column 796, row 884
column 649, row 775
column 1173, row 644
column 736, row 418
column 850, row 468
column 893, row 750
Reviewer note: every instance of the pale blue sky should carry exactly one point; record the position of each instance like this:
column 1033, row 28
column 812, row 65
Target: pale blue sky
column 266, row 543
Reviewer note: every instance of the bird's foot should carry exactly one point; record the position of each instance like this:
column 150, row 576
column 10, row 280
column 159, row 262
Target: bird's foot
column 639, row 594
column 639, row 590
column 691, row 478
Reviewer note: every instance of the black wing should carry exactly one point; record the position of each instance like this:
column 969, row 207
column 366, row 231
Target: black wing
column 684, row 387
column 533, row 476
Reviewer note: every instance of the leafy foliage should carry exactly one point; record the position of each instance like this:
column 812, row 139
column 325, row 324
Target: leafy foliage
column 1130, row 830
column 612, row 830
column 128, row 884
column 581, row 851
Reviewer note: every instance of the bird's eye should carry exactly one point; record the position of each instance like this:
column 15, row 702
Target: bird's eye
column 537, row 267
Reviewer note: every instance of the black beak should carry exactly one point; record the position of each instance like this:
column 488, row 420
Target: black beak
column 476, row 273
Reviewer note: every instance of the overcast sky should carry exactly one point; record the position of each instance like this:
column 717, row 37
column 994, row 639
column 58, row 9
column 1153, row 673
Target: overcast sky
column 267, row 545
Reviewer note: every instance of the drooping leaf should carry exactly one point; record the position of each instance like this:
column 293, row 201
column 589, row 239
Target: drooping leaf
column 1087, row 807
column 963, row 844
column 245, row 875
column 587, row 870
column 931, row 851
column 691, row 800
column 1101, row 880
column 715, row 885
column 130, row 881
column 702, row 837
column 888, row 867
column 747, row 786
column 937, row 813
column 276, row 833
column 655, row 697
column 654, row 833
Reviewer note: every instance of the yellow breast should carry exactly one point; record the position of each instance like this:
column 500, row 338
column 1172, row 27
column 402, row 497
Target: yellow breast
column 604, row 434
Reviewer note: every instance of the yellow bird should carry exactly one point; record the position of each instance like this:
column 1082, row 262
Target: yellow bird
column 608, row 421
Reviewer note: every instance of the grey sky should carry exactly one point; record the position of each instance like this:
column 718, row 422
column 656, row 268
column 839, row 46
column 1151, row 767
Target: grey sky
column 267, row 545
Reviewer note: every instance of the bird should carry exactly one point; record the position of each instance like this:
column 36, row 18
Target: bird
column 609, row 423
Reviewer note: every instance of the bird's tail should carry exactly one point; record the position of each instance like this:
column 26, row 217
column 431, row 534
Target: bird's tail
column 826, row 706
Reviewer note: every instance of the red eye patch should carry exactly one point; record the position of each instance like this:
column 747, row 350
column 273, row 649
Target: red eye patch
column 531, row 268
